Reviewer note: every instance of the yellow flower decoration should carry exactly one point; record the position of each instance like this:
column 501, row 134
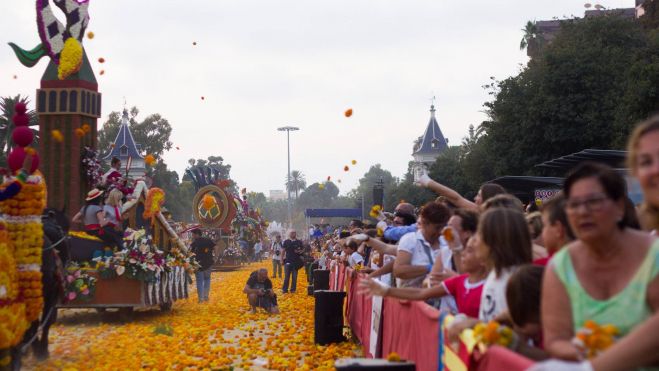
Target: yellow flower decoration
column 375, row 211
column 354, row 162
column 594, row 339
column 57, row 136
column 208, row 201
column 70, row 58
column 155, row 198
column 80, row 133
column 86, row 128
column 90, row 35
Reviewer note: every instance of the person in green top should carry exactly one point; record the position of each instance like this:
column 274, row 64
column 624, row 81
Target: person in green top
column 609, row 275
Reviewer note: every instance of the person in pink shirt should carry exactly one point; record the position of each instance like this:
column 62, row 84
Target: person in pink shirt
column 465, row 288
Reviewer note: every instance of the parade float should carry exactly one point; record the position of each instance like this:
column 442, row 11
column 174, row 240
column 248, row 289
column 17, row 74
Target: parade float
column 151, row 270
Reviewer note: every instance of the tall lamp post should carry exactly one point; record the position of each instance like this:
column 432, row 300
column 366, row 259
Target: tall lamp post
column 288, row 130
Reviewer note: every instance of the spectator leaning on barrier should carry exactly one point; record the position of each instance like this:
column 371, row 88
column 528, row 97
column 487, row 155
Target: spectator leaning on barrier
column 417, row 251
column 465, row 288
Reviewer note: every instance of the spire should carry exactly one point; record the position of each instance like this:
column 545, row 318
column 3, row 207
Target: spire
column 432, row 142
column 124, row 144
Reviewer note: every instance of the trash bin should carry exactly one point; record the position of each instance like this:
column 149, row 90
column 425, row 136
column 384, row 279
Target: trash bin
column 321, row 279
column 328, row 317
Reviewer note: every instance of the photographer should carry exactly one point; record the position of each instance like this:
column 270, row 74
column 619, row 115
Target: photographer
column 259, row 292
column 276, row 252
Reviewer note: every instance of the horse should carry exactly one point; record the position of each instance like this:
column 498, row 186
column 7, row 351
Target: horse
column 55, row 255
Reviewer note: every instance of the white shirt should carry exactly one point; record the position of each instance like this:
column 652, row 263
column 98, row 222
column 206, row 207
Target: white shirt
column 416, row 245
column 493, row 299
column 355, row 258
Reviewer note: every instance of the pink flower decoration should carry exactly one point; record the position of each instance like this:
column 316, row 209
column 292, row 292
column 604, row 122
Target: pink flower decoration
column 72, row 295
column 70, row 278
column 85, row 292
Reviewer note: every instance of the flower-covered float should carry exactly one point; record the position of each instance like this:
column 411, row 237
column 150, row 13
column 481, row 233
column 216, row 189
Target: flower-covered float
column 151, row 270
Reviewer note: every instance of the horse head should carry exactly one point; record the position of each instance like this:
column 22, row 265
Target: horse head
column 56, row 228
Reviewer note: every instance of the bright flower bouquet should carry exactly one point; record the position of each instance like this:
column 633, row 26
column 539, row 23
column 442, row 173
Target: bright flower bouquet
column 79, row 284
column 593, row 339
column 141, row 260
column 493, row 333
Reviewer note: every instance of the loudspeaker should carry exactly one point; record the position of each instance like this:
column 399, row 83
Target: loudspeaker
column 328, row 317
column 310, row 290
column 353, row 364
column 321, row 279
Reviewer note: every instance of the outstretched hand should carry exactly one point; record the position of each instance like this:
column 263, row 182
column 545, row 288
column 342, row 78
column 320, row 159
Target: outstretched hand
column 423, row 180
column 371, row 287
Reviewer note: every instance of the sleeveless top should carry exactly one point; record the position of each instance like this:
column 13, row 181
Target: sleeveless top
column 112, row 214
column 625, row 309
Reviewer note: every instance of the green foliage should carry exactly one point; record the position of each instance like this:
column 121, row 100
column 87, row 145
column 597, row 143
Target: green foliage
column 296, row 182
column 586, row 90
column 163, row 329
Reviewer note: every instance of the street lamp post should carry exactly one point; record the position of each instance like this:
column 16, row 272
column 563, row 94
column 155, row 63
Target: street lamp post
column 288, row 130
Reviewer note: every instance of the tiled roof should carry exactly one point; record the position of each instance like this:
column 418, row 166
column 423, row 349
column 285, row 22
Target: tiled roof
column 124, row 139
column 433, row 141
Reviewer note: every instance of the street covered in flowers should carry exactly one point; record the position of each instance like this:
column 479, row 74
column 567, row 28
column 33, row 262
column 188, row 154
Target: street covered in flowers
column 216, row 335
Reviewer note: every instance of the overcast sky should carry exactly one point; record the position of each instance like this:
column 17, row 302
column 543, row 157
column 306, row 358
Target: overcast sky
column 261, row 64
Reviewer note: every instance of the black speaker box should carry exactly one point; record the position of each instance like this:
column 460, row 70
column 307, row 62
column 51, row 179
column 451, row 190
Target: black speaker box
column 354, row 364
column 328, row 317
column 321, row 279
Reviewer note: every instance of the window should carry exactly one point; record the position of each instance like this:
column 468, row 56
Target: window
column 123, row 151
column 73, row 101
column 434, row 144
column 63, row 100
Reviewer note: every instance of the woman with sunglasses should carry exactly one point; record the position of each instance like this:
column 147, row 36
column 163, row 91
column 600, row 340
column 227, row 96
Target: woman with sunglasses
column 608, row 275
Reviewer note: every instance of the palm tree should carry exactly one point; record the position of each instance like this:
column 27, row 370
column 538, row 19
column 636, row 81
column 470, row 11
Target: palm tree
column 295, row 183
column 7, row 125
column 530, row 35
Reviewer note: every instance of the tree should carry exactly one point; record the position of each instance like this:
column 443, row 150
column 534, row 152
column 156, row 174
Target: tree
column 368, row 181
column 592, row 84
column 530, row 35
column 257, row 200
column 295, row 182
column 152, row 133
column 317, row 195
column 7, row 112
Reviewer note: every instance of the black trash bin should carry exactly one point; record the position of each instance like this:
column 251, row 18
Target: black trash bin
column 328, row 317
column 321, row 279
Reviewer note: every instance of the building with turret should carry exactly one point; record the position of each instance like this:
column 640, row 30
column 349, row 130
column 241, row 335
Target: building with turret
column 428, row 146
column 126, row 148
